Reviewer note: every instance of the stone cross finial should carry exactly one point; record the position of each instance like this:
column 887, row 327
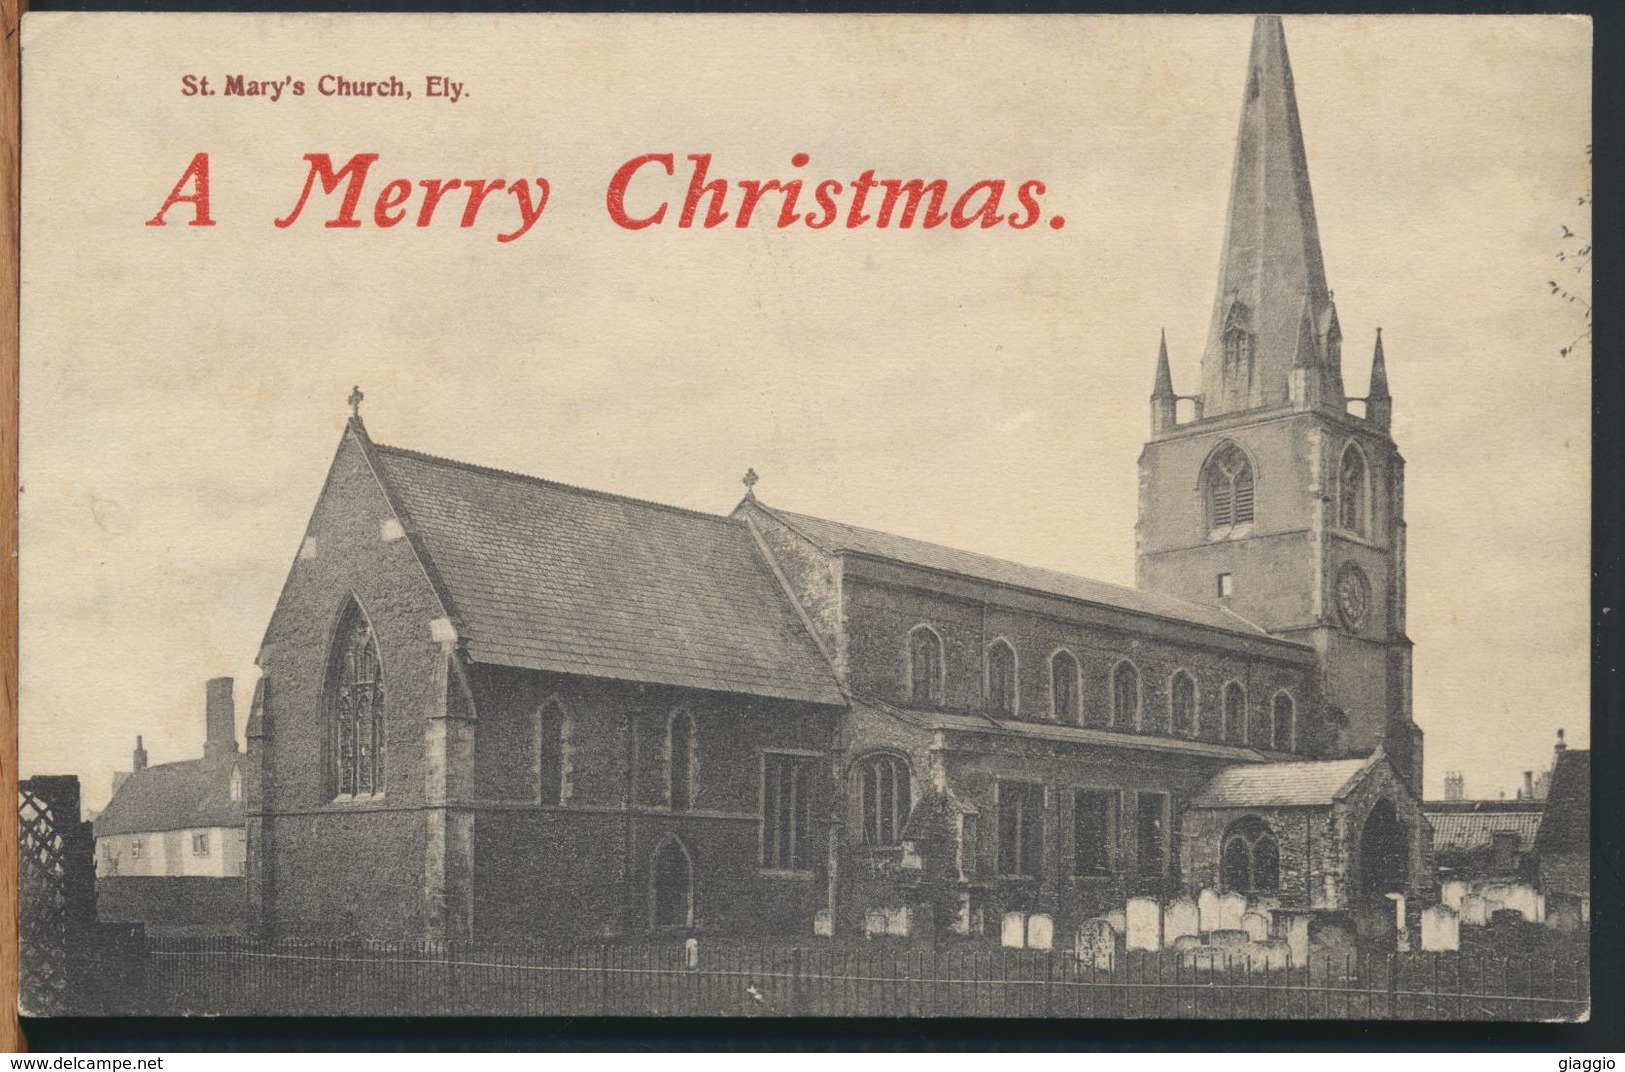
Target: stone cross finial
column 355, row 401
column 750, row 482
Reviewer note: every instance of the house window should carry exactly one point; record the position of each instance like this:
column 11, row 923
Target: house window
column 682, row 755
column 1229, row 488
column 138, row 848
column 553, row 755
column 1125, row 695
column 1001, row 679
column 1021, row 829
column 1353, row 507
column 356, row 708
column 1094, row 832
column 1182, row 703
column 883, row 799
column 1151, row 836
column 1251, row 859
column 786, row 811
column 925, row 667
column 200, row 844
column 671, row 886
column 1283, row 729
column 1235, row 713
column 1063, row 687
column 1227, row 585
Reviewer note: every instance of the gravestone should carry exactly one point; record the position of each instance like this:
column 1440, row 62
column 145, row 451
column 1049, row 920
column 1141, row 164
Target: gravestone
column 1231, row 941
column 1257, row 926
column 1451, row 892
column 691, row 952
column 1441, row 929
column 1040, row 932
column 1296, row 926
column 1013, row 930
column 1207, row 908
column 1475, row 911
column 874, row 923
column 1144, row 918
column 1271, row 954
column 1096, row 944
column 1187, row 942
column 823, row 924
column 1232, row 906
column 1204, row 958
column 897, row 922
column 1118, row 919
column 1180, row 920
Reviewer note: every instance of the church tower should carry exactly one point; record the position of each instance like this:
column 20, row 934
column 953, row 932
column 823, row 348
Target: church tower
column 1272, row 497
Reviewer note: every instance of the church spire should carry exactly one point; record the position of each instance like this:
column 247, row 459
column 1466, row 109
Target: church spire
column 1272, row 282
column 1163, row 399
column 1379, row 404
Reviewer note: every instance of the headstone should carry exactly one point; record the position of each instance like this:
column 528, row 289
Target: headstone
column 1523, row 899
column 1231, row 941
column 823, row 924
column 874, row 923
column 1451, row 892
column 1540, row 908
column 1187, row 942
column 1441, row 929
column 1144, row 918
column 962, row 918
column 1013, row 931
column 1402, row 937
column 1232, row 906
column 1181, row 919
column 1207, row 909
column 1118, row 919
column 1272, row 954
column 691, row 952
column 1257, row 926
column 897, row 922
column 1475, row 911
column 1097, row 944
column 1296, row 925
column 1204, row 958
column 1040, row 932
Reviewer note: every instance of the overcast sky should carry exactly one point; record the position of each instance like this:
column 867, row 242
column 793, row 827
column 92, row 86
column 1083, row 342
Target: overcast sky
column 183, row 388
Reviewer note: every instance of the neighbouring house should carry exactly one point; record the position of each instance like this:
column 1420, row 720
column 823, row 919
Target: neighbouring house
column 1484, row 839
column 492, row 705
column 170, row 845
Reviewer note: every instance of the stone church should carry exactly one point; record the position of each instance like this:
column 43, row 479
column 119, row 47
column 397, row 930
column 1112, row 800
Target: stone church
column 493, row 706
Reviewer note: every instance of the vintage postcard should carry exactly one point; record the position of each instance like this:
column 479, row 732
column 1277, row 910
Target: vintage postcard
column 806, row 516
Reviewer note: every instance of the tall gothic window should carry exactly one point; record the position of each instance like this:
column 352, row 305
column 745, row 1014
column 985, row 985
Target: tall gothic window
column 356, row 709
column 1353, row 492
column 1125, row 696
column 1229, row 488
column 1250, row 861
column 1001, row 679
column 1021, row 829
column 883, row 799
column 1182, row 704
column 1238, row 354
column 681, row 755
column 1063, row 686
column 1235, row 713
column 671, row 886
column 786, row 811
column 1282, row 730
column 553, row 758
column 925, row 667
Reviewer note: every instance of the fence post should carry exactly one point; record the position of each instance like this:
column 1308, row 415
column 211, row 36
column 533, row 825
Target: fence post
column 796, row 983
column 1049, row 983
column 1393, row 985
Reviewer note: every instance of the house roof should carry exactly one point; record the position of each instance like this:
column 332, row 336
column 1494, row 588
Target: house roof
column 1267, row 785
column 1466, row 831
column 835, row 536
column 547, row 576
column 1565, row 825
column 172, row 796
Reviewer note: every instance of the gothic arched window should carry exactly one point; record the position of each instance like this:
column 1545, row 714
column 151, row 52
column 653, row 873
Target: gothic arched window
column 356, row 708
column 1229, row 488
column 883, row 798
column 682, row 754
column 1125, row 696
column 1283, row 716
column 1063, row 687
column 1001, row 679
column 1238, row 354
column 1182, row 704
column 1353, row 492
column 553, row 754
column 1250, row 861
column 671, row 885
column 1235, row 713
column 925, row 667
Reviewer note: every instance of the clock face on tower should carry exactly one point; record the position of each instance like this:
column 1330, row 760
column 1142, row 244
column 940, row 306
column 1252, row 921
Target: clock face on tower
column 1353, row 595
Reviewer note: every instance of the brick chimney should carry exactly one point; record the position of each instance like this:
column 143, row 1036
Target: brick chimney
column 220, row 720
column 138, row 759
column 1528, row 786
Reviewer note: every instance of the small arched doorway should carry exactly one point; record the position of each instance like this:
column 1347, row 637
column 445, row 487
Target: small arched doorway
column 671, row 886
column 1384, row 865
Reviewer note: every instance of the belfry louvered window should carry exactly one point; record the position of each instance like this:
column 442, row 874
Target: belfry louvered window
column 356, row 707
column 1352, row 503
column 1229, row 488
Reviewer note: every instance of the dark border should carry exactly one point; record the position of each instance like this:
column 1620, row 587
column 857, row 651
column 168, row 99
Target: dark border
column 1606, row 1029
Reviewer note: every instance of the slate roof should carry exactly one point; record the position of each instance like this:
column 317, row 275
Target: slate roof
column 1466, row 831
column 172, row 796
column 1565, row 825
column 835, row 536
column 1267, row 785
column 547, row 576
